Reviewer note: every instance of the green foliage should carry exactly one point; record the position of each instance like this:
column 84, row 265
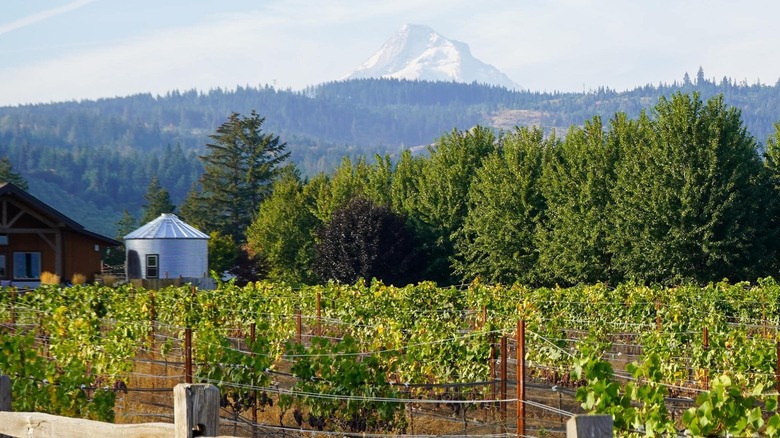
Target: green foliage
column 352, row 378
column 443, row 185
column 283, row 231
column 340, row 369
column 576, row 184
column 223, row 252
column 7, row 174
column 689, row 196
column 726, row 409
column 239, row 167
column 158, row 201
column 496, row 242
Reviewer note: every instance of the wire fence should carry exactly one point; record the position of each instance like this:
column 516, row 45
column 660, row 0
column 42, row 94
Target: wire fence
column 489, row 407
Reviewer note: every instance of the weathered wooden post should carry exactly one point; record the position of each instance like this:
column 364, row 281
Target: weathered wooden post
column 298, row 327
column 253, row 338
column 5, row 393
column 503, row 379
column 195, row 410
column 706, row 346
column 777, row 366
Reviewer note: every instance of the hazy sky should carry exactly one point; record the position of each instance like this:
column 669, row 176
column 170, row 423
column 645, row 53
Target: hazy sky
column 53, row 50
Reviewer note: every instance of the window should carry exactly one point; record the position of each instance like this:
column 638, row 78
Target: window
column 3, row 239
column 152, row 268
column 27, row 265
column 3, row 272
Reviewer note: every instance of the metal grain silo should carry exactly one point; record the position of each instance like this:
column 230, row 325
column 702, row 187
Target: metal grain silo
column 167, row 248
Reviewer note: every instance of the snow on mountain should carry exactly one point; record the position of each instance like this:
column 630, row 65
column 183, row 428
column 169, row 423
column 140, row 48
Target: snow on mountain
column 417, row 52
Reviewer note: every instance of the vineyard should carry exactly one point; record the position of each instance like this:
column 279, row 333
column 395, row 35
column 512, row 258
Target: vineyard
column 374, row 360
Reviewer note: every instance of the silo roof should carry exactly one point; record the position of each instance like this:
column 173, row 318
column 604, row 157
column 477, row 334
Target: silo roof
column 167, row 226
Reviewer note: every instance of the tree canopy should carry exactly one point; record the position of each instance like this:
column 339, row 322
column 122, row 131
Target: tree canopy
column 240, row 164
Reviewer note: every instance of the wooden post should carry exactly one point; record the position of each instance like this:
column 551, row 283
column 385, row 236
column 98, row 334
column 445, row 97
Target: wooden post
column 586, row 426
column 503, row 379
column 706, row 346
column 5, row 396
column 492, row 359
column 13, row 308
column 298, row 327
column 520, row 378
column 777, row 365
column 5, row 393
column 319, row 315
column 152, row 317
column 252, row 337
column 195, row 410
column 188, row 355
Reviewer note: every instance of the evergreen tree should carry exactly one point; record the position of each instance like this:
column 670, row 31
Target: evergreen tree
column 194, row 209
column 240, row 165
column 158, row 201
column 7, row 174
column 124, row 226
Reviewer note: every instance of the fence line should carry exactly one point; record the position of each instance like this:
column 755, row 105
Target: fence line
column 195, row 406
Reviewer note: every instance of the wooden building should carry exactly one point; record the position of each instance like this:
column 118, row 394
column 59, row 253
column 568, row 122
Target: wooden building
column 36, row 238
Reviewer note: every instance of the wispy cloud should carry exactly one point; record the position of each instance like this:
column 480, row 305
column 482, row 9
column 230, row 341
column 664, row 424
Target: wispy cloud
column 41, row 16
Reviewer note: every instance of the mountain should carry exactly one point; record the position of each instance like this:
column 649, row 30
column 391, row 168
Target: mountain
column 417, row 52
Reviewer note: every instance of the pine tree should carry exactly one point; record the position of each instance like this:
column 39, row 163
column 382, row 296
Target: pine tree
column 240, row 165
column 7, row 174
column 158, row 201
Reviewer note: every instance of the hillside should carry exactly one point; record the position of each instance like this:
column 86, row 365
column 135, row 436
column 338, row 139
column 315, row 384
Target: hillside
column 94, row 159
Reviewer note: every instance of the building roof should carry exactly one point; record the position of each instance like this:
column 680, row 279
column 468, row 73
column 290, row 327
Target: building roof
column 167, row 226
column 10, row 190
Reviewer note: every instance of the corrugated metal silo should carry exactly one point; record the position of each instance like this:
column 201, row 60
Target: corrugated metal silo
column 167, row 248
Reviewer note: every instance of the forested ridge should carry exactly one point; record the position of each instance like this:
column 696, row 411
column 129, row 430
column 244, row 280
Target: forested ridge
column 95, row 159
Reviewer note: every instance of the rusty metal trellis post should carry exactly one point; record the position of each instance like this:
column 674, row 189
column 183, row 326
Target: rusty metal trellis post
column 520, row 378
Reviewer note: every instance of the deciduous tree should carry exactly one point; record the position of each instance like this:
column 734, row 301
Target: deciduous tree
column 283, row 232
column 365, row 240
column 497, row 238
column 689, row 202
column 576, row 183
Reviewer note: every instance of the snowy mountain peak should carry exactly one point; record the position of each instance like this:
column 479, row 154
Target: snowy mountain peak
column 417, row 52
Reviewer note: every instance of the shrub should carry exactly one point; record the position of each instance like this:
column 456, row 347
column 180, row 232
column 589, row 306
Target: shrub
column 110, row 280
column 78, row 279
column 49, row 278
